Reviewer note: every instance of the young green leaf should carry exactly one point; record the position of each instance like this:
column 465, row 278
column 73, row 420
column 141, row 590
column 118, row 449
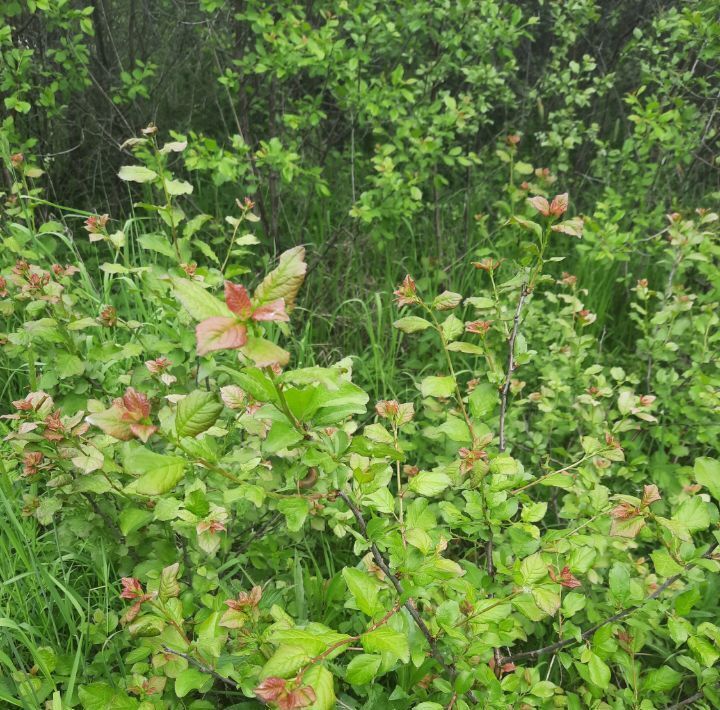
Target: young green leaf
column 196, row 413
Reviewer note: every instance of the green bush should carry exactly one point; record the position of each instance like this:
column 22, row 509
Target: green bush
column 545, row 541
column 388, row 379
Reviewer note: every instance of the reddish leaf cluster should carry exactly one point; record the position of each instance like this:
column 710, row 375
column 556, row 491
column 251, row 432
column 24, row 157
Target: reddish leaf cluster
column 96, row 226
column 486, row 264
column 479, row 327
column 246, row 599
column 132, row 589
column 406, row 293
column 564, row 578
column 556, row 208
column 275, row 690
column 108, row 316
column 469, row 457
column 230, row 333
column 128, row 417
column 398, row 414
column 31, row 462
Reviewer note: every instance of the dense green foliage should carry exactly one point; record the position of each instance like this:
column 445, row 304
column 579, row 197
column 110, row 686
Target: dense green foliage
column 453, row 442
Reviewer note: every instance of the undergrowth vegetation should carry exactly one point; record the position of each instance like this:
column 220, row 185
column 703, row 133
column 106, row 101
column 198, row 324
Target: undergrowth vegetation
column 382, row 372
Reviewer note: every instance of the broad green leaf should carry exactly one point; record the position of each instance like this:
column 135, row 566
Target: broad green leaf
column 68, row 365
column 533, row 569
column 460, row 346
column 429, row 483
column 619, row 582
column 693, row 514
column 387, row 640
column 168, row 587
column 335, row 406
column 411, row 324
column 543, row 689
column 173, row 147
column 483, row 401
column 480, row 302
column 599, row 671
column 362, row 669
column 320, row 680
column 101, row 696
column 665, row 566
column 660, row 680
column 452, row 328
column 547, row 599
column 446, row 301
column 196, row 413
column 132, row 519
column 287, row 660
column 158, row 473
column 44, row 329
column 264, row 353
column 158, row 243
column 282, row 435
column 136, row 173
column 364, row 589
column 573, row 226
column 417, row 537
column 192, row 679
column 704, row 650
column 295, row 511
column 256, row 383
column 707, row 473
column 197, row 301
column 437, row 386
column 178, row 187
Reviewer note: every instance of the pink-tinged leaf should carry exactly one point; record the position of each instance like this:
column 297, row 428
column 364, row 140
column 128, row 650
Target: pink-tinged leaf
column 233, row 619
column 272, row 311
column 233, row 397
column 131, row 613
column 131, row 588
column 219, row 333
column 574, row 227
column 136, row 403
column 650, row 494
column 112, row 422
column 296, row 699
column 143, row 431
column 540, row 204
column 285, row 280
column 265, row 353
column 559, row 205
column 271, row 689
column 238, row 300
column 446, row 301
column 627, row 528
column 155, row 685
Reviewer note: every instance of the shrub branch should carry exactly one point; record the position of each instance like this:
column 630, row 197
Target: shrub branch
column 552, row 648
column 524, row 293
column 201, row 666
column 408, row 604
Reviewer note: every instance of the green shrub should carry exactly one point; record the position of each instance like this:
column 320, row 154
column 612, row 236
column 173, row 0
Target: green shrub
column 535, row 526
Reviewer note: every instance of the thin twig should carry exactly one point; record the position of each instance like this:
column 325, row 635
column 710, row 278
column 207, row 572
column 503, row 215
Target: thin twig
column 409, row 604
column 524, row 292
column 688, row 701
column 201, row 666
column 252, row 534
column 615, row 617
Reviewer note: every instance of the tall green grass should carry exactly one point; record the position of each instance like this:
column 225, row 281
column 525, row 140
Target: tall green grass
column 50, row 593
